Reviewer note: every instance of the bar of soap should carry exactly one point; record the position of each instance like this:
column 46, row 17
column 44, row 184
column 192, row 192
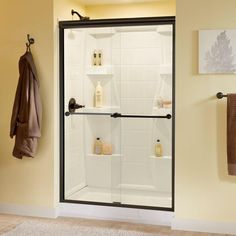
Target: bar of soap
column 106, row 149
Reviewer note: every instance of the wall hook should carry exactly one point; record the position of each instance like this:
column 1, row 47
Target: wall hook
column 30, row 41
column 82, row 18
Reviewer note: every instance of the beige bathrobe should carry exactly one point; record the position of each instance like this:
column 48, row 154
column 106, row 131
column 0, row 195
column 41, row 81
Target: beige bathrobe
column 27, row 110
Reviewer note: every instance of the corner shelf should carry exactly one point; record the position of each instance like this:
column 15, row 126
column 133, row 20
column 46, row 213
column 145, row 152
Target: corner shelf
column 91, row 155
column 161, row 158
column 102, row 32
column 165, row 30
column 99, row 70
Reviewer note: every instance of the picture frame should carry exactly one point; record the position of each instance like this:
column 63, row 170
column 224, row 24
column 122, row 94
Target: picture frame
column 217, row 51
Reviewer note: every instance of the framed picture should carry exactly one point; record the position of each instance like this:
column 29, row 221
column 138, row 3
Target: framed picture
column 217, row 51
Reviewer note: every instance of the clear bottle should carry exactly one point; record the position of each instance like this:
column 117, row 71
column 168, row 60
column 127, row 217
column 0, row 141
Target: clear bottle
column 98, row 147
column 94, row 58
column 158, row 149
column 99, row 58
column 98, row 96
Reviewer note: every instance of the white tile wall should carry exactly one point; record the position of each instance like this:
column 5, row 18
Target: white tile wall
column 135, row 138
column 141, row 56
column 136, row 124
column 160, row 170
column 98, row 172
column 138, row 89
column 144, row 39
column 136, row 105
column 139, row 73
column 136, row 173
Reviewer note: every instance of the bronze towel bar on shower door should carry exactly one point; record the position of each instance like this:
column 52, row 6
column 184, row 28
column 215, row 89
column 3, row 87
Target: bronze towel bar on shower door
column 116, row 115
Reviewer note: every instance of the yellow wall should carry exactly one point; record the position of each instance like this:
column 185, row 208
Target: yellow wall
column 28, row 181
column 203, row 188
column 160, row 8
column 32, row 182
column 62, row 9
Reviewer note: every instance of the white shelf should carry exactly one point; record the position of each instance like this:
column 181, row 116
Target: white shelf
column 103, row 156
column 101, row 32
column 165, row 30
column 160, row 158
column 99, row 70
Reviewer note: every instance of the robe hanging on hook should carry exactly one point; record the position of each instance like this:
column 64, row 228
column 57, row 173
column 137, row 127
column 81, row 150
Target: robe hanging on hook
column 82, row 18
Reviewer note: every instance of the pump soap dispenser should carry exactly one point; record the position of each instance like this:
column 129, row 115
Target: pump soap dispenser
column 158, row 149
column 98, row 146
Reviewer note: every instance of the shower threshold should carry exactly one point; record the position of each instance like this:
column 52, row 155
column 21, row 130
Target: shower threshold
column 130, row 197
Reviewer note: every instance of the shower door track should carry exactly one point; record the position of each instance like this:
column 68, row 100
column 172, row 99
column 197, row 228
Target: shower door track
column 143, row 21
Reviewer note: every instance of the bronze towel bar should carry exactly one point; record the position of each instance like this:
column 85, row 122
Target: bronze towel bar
column 221, row 95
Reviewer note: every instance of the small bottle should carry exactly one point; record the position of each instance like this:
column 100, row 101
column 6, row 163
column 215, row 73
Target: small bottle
column 98, row 147
column 158, row 149
column 99, row 58
column 94, row 58
column 98, row 95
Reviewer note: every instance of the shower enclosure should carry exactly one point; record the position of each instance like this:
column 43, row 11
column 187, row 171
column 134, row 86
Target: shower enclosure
column 133, row 61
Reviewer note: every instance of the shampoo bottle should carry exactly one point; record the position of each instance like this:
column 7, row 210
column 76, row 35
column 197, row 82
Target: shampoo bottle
column 98, row 147
column 99, row 58
column 98, row 95
column 94, row 58
column 158, row 149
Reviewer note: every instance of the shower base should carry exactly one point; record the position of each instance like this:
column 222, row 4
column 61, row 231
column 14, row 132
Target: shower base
column 130, row 197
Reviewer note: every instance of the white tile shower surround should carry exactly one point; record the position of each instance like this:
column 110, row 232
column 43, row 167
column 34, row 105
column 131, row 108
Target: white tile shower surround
column 135, row 59
column 111, row 171
column 133, row 197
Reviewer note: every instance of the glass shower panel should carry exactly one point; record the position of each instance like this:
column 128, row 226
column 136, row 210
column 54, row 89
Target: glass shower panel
column 91, row 175
column 146, row 90
column 73, row 88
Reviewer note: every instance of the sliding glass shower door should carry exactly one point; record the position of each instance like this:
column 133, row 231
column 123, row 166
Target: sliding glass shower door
column 117, row 113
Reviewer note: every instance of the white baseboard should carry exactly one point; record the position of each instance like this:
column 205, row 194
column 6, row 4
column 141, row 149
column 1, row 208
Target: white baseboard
column 204, row 226
column 121, row 214
column 115, row 213
column 28, row 210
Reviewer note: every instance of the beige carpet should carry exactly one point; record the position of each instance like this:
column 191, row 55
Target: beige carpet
column 37, row 228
